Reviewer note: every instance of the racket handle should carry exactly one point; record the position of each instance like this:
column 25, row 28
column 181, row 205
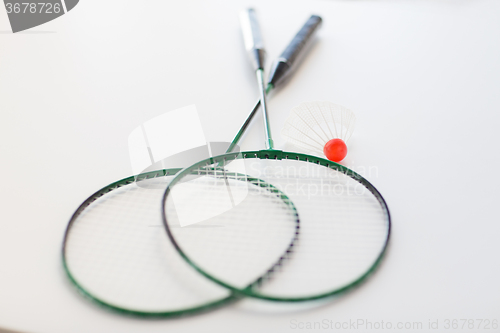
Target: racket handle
column 253, row 38
column 293, row 52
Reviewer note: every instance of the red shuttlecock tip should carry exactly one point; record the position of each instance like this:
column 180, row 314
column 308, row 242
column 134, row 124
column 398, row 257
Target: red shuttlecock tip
column 335, row 150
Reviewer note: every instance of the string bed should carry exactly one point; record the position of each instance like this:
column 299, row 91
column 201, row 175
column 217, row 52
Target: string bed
column 117, row 253
column 344, row 225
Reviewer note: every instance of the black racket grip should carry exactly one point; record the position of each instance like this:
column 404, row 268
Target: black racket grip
column 293, row 52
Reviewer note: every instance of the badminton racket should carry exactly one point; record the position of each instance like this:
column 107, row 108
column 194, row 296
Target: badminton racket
column 344, row 229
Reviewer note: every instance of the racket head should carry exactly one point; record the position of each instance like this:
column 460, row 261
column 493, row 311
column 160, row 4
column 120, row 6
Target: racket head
column 96, row 239
column 369, row 234
column 114, row 257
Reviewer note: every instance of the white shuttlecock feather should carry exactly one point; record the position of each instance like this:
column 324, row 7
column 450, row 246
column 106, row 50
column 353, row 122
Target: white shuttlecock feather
column 317, row 126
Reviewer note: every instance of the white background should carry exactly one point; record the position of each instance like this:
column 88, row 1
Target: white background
column 422, row 76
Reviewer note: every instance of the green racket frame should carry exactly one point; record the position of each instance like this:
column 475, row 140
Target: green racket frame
column 183, row 312
column 278, row 155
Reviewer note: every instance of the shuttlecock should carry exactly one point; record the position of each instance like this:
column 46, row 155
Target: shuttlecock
column 321, row 128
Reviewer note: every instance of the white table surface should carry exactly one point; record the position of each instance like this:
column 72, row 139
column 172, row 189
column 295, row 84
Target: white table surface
column 422, row 76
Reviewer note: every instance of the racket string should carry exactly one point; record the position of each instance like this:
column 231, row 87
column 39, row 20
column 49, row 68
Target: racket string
column 118, row 252
column 343, row 230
